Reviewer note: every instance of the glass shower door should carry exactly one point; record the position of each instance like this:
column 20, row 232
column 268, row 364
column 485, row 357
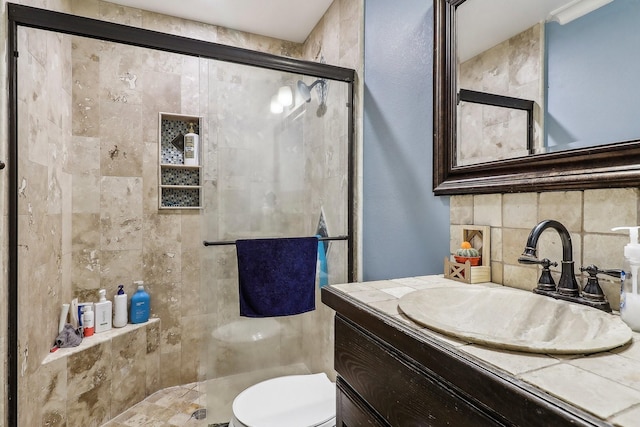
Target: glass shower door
column 276, row 157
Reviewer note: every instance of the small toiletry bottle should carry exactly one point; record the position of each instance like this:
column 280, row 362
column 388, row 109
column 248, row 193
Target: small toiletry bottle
column 87, row 320
column 80, row 313
column 120, row 308
column 191, row 146
column 73, row 314
column 140, row 304
column 103, row 313
column 63, row 317
column 629, row 297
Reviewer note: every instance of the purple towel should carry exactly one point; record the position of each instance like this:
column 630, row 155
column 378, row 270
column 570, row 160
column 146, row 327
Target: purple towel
column 277, row 276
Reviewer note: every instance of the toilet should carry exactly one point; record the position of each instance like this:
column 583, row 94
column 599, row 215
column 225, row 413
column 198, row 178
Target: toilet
column 289, row 401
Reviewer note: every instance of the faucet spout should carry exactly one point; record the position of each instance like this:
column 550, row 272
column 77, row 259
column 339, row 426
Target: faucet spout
column 567, row 285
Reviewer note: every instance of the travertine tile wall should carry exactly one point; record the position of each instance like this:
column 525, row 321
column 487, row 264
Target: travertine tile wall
column 512, row 68
column 99, row 226
column 338, row 36
column 80, row 228
column 588, row 215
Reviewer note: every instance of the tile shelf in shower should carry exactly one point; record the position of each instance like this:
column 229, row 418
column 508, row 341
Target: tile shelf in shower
column 179, row 185
column 100, row 338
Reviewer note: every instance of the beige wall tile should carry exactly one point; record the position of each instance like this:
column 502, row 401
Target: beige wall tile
column 519, row 210
column 550, row 246
column 49, row 388
column 128, row 370
column 89, row 377
column 562, row 206
column 605, row 251
column 497, row 272
column 461, row 209
column 520, row 276
column 608, row 208
column 513, row 244
column 496, row 245
column 487, row 210
column 121, row 213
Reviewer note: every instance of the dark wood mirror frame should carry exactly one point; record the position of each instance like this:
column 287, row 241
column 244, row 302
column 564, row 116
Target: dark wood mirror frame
column 606, row 166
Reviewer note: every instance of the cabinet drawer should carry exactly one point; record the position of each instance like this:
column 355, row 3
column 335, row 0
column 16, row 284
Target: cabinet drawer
column 353, row 411
column 398, row 390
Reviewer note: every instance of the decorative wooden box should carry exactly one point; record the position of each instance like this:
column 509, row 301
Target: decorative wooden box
column 480, row 238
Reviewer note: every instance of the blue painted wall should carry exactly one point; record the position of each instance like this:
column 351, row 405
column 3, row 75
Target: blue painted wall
column 405, row 227
column 593, row 73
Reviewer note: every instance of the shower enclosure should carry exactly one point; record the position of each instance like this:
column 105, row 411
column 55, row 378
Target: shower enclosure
column 269, row 175
column 87, row 144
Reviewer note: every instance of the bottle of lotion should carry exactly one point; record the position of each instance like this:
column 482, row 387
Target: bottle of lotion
column 120, row 308
column 140, row 304
column 103, row 313
column 87, row 320
column 191, row 146
column 629, row 296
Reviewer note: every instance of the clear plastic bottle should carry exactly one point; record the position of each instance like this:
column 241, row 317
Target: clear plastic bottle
column 629, row 296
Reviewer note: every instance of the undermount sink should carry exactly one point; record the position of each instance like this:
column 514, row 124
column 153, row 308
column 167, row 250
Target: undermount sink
column 513, row 319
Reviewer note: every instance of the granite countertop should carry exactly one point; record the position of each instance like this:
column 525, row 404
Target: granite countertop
column 605, row 384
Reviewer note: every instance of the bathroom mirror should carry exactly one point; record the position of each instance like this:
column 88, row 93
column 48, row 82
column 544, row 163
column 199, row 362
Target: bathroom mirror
column 600, row 157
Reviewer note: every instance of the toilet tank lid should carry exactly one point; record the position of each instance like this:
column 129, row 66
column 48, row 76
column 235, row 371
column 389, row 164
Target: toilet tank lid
column 289, row 401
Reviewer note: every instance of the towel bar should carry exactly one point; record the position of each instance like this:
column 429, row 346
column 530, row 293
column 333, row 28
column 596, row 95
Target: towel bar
column 233, row 242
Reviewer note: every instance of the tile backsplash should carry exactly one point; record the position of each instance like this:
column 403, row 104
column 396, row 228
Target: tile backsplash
column 589, row 216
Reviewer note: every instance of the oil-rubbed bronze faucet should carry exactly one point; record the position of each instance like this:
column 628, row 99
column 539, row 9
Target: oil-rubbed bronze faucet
column 567, row 288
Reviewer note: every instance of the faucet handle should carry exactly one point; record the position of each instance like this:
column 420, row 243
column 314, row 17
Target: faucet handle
column 545, row 282
column 592, row 290
column 592, row 270
column 546, row 263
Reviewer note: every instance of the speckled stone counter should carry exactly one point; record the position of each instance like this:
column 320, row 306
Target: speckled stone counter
column 605, row 385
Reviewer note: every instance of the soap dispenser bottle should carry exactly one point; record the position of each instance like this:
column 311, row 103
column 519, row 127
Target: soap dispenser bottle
column 629, row 297
column 88, row 327
column 103, row 313
column 140, row 304
column 120, row 308
column 191, row 146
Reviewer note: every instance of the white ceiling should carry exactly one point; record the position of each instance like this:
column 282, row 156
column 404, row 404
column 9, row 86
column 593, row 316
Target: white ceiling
column 487, row 23
column 290, row 20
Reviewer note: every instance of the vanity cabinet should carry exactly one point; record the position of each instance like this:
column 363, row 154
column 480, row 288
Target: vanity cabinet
column 179, row 185
column 389, row 374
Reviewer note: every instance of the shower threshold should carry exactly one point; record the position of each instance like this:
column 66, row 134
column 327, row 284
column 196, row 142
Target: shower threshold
column 202, row 404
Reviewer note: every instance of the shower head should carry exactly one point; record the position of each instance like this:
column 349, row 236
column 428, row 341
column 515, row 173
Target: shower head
column 305, row 90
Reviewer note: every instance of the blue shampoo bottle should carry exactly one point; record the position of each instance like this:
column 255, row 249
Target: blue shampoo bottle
column 140, row 302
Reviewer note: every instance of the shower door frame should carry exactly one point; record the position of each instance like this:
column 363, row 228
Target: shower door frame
column 31, row 17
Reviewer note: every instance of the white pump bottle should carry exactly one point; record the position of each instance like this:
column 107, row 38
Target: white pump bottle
column 191, row 147
column 629, row 297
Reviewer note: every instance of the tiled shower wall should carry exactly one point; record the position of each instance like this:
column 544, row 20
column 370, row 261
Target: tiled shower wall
column 99, row 226
column 588, row 215
column 512, row 68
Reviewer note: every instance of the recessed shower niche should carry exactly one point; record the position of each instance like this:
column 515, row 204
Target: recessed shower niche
column 179, row 184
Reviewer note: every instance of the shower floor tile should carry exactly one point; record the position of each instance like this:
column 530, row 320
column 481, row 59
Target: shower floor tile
column 169, row 407
column 177, row 406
